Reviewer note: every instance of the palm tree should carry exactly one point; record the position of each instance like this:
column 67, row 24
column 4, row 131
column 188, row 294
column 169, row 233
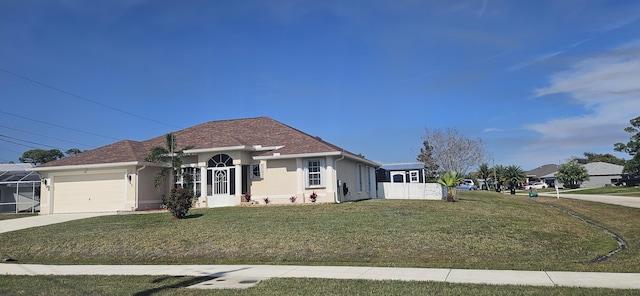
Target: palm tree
column 450, row 180
column 167, row 155
column 498, row 176
column 484, row 173
column 514, row 175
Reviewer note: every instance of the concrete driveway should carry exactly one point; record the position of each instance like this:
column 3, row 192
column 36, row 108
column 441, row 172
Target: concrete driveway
column 627, row 201
column 42, row 220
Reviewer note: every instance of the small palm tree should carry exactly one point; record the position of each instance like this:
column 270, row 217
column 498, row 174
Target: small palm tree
column 498, row 176
column 450, row 180
column 514, row 175
column 484, row 173
column 179, row 201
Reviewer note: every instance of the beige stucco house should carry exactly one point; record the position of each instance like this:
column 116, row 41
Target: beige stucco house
column 226, row 159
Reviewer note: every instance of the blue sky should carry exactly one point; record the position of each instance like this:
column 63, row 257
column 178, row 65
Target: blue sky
column 537, row 81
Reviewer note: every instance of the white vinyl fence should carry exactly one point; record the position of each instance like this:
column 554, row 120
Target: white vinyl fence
column 432, row 191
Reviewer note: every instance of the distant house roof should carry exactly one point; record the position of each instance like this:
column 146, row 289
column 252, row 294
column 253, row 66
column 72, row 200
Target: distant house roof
column 402, row 166
column 542, row 170
column 596, row 169
column 249, row 132
column 603, row 169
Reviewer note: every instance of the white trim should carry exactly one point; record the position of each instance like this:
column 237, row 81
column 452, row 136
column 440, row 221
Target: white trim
column 318, row 154
column 321, row 173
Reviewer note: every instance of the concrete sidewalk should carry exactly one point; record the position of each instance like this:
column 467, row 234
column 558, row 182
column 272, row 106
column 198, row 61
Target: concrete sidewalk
column 261, row 272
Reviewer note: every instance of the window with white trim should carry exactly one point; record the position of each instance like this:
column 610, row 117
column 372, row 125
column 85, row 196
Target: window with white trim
column 189, row 177
column 414, row 177
column 314, row 169
column 256, row 171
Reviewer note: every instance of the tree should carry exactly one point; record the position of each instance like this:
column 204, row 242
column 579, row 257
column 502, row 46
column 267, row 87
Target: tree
column 40, row 156
column 426, row 157
column 452, row 151
column 484, row 173
column 179, row 200
column 631, row 167
column 571, row 174
column 450, row 180
column 498, row 174
column 514, row 175
column 73, row 151
column 595, row 157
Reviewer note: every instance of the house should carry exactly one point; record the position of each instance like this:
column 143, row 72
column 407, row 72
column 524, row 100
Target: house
column 601, row 174
column 225, row 160
column 536, row 174
column 406, row 181
column 19, row 188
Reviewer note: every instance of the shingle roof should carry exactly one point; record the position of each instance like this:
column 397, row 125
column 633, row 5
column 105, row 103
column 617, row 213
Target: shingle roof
column 543, row 170
column 262, row 131
column 603, row 169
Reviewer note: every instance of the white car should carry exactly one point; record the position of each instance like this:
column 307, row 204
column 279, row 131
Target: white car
column 537, row 185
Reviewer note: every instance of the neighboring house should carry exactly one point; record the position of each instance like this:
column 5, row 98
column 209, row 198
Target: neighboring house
column 257, row 156
column 536, row 174
column 19, row 188
column 406, row 181
column 601, row 174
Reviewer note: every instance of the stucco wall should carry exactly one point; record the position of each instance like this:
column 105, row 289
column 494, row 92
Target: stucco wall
column 348, row 173
column 279, row 181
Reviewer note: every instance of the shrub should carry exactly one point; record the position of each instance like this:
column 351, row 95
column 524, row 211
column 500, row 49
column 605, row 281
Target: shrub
column 313, row 197
column 178, row 202
column 293, row 198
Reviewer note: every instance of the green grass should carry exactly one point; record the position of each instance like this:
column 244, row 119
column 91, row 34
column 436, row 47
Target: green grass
column 485, row 230
column 15, row 216
column 618, row 190
column 165, row 285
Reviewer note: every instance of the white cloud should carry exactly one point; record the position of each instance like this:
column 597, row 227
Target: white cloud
column 534, row 61
column 607, row 88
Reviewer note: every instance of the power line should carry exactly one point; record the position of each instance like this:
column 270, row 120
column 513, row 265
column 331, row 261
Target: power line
column 18, row 144
column 34, row 143
column 45, row 136
column 85, row 98
column 59, row 126
column 12, row 151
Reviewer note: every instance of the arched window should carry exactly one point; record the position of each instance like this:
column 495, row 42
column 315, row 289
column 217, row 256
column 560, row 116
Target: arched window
column 220, row 160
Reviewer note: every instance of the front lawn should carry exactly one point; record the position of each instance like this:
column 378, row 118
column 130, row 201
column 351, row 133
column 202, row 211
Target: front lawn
column 485, row 230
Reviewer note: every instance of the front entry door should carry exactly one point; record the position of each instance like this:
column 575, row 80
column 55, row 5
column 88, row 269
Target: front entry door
column 219, row 187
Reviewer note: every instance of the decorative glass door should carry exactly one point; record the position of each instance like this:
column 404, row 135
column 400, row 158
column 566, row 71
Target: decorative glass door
column 220, row 182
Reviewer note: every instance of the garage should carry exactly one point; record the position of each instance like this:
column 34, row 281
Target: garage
column 104, row 192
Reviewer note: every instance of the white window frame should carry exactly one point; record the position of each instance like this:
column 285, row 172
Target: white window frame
column 196, row 179
column 253, row 168
column 320, row 173
column 414, row 176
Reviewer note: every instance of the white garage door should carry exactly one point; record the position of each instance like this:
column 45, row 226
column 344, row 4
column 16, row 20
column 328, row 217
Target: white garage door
column 89, row 193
